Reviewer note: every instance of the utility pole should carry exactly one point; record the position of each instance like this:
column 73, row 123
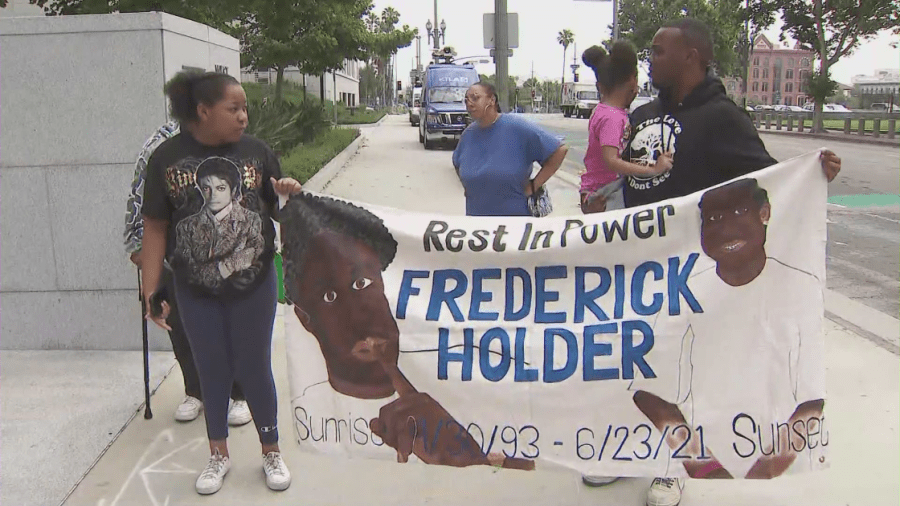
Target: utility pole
column 746, row 54
column 501, row 52
column 436, row 43
column 615, row 20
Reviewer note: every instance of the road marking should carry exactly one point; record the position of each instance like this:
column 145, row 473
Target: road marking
column 866, row 200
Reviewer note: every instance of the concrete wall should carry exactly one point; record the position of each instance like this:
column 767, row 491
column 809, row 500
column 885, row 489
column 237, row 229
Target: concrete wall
column 80, row 95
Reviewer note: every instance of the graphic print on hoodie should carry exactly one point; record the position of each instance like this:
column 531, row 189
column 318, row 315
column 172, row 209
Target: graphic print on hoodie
column 218, row 202
column 711, row 138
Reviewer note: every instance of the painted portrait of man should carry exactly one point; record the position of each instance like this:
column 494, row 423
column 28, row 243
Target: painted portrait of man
column 334, row 256
column 751, row 330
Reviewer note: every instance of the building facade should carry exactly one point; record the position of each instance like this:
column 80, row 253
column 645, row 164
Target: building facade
column 69, row 143
column 342, row 85
column 777, row 75
column 882, row 86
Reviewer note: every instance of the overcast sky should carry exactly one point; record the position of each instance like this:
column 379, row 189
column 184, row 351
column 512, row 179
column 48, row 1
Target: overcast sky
column 539, row 23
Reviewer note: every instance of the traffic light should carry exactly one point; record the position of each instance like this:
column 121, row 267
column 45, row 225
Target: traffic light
column 399, row 85
column 532, row 93
column 576, row 78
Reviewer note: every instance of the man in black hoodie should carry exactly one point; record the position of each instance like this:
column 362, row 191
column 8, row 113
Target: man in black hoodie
column 712, row 138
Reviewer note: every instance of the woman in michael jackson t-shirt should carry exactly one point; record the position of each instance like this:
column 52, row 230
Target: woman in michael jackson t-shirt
column 211, row 193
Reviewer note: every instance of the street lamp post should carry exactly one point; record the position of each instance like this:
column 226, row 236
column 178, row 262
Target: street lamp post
column 439, row 30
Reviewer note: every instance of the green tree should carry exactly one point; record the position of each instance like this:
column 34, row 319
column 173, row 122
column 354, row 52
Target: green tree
column 314, row 35
column 385, row 39
column 565, row 37
column 833, row 29
column 639, row 20
column 370, row 85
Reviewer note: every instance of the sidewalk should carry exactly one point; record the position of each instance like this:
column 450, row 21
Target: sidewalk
column 155, row 462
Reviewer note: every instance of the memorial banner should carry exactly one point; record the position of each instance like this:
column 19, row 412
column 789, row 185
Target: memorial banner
column 682, row 338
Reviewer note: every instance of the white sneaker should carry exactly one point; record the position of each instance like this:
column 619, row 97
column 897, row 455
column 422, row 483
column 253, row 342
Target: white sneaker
column 189, row 409
column 277, row 475
column 210, row 480
column 597, row 481
column 665, row 492
column 239, row 413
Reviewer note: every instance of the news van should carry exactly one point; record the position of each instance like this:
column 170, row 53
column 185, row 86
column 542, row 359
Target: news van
column 443, row 115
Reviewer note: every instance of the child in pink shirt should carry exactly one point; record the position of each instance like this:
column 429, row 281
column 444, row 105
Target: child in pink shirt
column 609, row 130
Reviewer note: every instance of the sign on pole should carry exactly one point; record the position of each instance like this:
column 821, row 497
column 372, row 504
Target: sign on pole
column 512, row 30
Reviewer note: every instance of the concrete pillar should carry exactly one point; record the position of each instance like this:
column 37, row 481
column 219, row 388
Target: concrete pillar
column 790, row 123
column 892, row 127
column 847, row 126
column 876, row 128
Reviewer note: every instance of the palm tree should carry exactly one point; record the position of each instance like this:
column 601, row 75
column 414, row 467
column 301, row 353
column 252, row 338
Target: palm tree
column 565, row 38
column 389, row 18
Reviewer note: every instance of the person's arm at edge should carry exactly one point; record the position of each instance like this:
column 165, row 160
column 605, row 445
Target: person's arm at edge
column 549, row 167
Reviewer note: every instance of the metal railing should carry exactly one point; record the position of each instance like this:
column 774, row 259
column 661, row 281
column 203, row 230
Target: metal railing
column 868, row 124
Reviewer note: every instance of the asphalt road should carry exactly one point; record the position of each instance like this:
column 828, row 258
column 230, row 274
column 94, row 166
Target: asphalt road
column 863, row 213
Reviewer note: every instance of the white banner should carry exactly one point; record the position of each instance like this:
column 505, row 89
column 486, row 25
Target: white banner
column 682, row 338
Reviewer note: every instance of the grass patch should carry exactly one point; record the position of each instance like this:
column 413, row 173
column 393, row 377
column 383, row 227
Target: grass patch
column 290, row 92
column 360, row 117
column 305, row 160
column 293, row 93
column 833, row 124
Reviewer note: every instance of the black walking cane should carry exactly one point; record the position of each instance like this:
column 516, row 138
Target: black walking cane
column 148, row 414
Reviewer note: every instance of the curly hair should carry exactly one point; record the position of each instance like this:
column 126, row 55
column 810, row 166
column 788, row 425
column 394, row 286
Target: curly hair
column 306, row 215
column 751, row 185
column 190, row 88
column 614, row 68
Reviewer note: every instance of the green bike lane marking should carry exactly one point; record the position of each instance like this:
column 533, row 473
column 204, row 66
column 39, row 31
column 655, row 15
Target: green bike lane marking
column 865, row 200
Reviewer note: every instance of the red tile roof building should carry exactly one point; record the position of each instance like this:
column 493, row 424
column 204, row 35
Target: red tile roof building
column 777, row 75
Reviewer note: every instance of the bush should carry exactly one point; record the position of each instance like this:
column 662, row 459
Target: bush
column 291, row 92
column 360, row 117
column 284, row 125
column 304, row 161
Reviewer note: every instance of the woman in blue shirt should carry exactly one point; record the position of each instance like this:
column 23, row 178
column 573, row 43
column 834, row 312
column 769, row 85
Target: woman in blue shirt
column 495, row 157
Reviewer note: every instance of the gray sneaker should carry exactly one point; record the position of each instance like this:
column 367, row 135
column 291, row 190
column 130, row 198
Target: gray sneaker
column 665, row 492
column 598, row 481
column 277, row 475
column 239, row 413
column 210, row 480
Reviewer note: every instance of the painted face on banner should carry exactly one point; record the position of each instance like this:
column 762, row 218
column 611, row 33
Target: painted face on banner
column 733, row 230
column 342, row 292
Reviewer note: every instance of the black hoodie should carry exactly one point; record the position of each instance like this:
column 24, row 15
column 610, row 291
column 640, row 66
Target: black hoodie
column 712, row 138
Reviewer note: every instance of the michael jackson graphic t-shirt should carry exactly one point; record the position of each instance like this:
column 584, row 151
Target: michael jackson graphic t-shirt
column 218, row 202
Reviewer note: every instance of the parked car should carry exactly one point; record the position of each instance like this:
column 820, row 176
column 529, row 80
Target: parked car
column 780, row 108
column 764, row 108
column 809, row 106
column 885, row 107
